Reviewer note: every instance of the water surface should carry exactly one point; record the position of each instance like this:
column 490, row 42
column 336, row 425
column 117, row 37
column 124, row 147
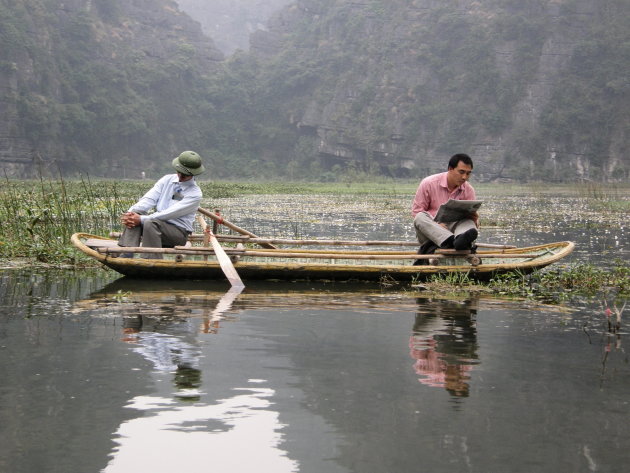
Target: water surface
column 107, row 374
column 101, row 373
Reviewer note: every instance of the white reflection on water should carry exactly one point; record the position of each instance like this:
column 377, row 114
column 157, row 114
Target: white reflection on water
column 166, row 352
column 238, row 434
column 169, row 436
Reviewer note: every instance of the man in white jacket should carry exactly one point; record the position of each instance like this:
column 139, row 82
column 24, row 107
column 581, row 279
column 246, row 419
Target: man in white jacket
column 175, row 199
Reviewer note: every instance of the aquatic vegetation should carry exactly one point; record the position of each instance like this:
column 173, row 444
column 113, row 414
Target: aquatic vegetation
column 551, row 285
column 588, row 278
column 453, row 279
column 122, row 296
column 234, row 189
column 39, row 217
column 579, row 279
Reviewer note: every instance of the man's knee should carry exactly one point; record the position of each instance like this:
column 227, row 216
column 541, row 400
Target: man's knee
column 420, row 222
column 421, row 219
column 151, row 227
column 464, row 225
column 152, row 234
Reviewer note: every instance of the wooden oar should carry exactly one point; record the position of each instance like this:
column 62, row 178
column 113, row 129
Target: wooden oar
column 230, row 225
column 224, row 260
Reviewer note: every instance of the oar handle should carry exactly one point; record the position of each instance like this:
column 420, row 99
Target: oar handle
column 230, row 225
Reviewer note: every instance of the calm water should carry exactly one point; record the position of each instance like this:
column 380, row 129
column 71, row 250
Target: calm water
column 100, row 373
column 107, row 374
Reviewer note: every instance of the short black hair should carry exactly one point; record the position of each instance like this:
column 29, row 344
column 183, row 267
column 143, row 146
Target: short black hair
column 456, row 158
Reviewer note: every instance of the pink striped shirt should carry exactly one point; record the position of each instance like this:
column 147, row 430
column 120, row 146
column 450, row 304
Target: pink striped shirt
column 433, row 192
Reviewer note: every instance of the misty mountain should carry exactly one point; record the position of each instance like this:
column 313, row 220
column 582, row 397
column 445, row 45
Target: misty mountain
column 99, row 86
column 532, row 89
column 230, row 22
column 529, row 88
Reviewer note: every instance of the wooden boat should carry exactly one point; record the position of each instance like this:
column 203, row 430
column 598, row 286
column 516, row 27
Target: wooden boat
column 337, row 260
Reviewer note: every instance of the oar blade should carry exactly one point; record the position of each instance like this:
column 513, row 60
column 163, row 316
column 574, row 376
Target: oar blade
column 226, row 263
column 224, row 260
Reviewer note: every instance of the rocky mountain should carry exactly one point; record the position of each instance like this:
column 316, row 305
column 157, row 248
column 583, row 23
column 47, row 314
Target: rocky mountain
column 230, row 22
column 531, row 89
column 99, row 86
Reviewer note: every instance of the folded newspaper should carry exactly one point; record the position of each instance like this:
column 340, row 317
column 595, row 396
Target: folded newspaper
column 455, row 210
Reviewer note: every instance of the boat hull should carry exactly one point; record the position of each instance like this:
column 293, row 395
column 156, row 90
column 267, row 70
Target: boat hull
column 292, row 270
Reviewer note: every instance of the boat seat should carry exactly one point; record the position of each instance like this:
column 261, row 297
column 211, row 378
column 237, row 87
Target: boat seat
column 100, row 243
column 191, row 237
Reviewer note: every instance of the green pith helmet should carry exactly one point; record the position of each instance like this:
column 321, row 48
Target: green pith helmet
column 189, row 163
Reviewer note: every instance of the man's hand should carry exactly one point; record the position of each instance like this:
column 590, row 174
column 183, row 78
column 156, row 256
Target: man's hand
column 130, row 219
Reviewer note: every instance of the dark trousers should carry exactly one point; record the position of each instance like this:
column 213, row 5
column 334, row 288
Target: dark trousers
column 154, row 234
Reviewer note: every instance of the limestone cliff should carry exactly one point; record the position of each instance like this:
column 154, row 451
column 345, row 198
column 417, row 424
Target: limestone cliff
column 532, row 89
column 404, row 84
column 88, row 85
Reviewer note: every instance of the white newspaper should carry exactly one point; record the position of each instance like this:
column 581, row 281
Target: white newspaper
column 455, row 210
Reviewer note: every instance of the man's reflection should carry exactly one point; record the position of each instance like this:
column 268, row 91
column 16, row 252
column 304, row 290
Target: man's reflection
column 444, row 343
column 187, row 378
column 167, row 352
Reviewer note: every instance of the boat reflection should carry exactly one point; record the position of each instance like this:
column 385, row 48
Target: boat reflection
column 444, row 344
column 208, row 301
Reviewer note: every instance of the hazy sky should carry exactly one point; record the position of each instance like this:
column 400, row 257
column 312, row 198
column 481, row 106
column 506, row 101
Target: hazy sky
column 230, row 22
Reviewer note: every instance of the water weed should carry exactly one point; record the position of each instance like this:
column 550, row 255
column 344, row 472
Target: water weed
column 558, row 283
column 547, row 285
column 40, row 216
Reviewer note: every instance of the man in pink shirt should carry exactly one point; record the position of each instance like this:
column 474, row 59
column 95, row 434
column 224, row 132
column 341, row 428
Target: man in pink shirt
column 436, row 190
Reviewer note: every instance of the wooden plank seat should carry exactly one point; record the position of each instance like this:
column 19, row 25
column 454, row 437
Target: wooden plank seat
column 106, row 246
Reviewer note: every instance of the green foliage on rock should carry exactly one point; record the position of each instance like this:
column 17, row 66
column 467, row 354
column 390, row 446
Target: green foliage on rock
column 334, row 88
